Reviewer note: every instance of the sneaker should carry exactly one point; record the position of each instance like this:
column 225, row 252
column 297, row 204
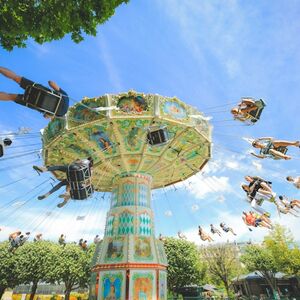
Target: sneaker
column 41, row 197
column 60, row 205
column 39, row 169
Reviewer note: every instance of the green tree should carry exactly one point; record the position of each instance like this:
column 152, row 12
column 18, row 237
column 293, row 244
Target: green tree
column 8, row 274
column 261, row 260
column 36, row 263
column 184, row 267
column 278, row 253
column 222, row 263
column 280, row 240
column 49, row 20
column 73, row 267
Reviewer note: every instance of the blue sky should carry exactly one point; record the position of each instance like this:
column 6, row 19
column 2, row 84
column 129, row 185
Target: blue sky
column 207, row 53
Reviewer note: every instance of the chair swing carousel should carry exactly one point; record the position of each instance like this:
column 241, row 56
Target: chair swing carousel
column 148, row 142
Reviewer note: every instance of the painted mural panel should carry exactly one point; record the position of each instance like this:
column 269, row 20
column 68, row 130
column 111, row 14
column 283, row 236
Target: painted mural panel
column 174, row 109
column 98, row 134
column 133, row 133
column 142, row 285
column 54, row 128
column 162, row 293
column 112, row 285
column 142, row 249
column 115, row 249
column 83, row 112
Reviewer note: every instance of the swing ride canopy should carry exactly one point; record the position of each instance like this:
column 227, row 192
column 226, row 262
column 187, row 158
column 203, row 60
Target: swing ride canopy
column 116, row 138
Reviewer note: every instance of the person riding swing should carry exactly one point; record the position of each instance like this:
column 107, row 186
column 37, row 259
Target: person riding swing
column 51, row 102
column 248, row 110
column 78, row 181
column 275, row 149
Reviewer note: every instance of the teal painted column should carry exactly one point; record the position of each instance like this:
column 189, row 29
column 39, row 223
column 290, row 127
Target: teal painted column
column 130, row 263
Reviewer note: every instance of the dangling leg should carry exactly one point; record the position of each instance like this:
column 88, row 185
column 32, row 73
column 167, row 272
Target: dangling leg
column 10, row 74
column 295, row 203
column 8, row 97
column 231, row 230
column 66, row 197
column 54, row 189
column 286, row 143
column 279, row 154
column 61, row 168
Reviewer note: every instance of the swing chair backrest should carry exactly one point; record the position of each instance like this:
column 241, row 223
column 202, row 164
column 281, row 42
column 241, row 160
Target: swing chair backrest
column 157, row 136
column 79, row 178
column 281, row 149
column 43, row 99
column 255, row 114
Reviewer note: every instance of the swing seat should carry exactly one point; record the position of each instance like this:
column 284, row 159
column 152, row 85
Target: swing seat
column 281, row 149
column 79, row 178
column 255, row 114
column 157, row 137
column 80, row 192
column 43, row 99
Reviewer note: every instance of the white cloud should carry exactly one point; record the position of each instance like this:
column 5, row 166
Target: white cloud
column 56, row 222
column 257, row 165
column 195, row 207
column 168, row 213
column 201, row 185
column 234, row 165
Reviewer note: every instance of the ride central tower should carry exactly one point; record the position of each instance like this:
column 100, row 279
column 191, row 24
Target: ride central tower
column 130, row 263
column 138, row 143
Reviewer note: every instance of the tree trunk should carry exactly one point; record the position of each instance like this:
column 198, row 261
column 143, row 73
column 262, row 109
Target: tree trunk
column 33, row 290
column 67, row 293
column 2, row 290
column 271, row 280
column 226, row 288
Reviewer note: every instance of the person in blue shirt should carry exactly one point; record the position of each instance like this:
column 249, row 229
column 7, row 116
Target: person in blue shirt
column 26, row 83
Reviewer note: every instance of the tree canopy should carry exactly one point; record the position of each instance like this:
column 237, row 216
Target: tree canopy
column 45, row 261
column 278, row 253
column 73, row 267
column 45, row 21
column 35, row 263
column 8, row 276
column 222, row 263
column 184, row 267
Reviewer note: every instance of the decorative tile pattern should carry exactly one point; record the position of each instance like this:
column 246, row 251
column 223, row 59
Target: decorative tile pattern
column 145, row 224
column 143, row 191
column 127, row 197
column 114, row 197
column 126, row 225
column 110, row 226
